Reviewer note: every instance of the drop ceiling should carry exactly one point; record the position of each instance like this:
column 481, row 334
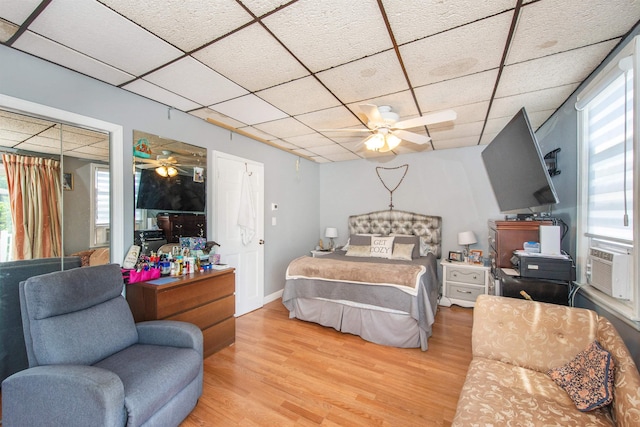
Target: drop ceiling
column 284, row 72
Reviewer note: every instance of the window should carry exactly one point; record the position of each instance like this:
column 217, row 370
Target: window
column 6, row 228
column 100, row 205
column 607, row 219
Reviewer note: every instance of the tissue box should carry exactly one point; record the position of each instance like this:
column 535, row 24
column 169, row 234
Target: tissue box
column 533, row 247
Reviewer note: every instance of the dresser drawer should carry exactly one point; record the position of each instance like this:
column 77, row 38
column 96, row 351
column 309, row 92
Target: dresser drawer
column 208, row 314
column 182, row 298
column 467, row 293
column 465, row 275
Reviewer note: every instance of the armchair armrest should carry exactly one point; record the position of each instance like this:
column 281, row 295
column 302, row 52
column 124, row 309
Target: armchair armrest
column 69, row 395
column 530, row 334
column 170, row 332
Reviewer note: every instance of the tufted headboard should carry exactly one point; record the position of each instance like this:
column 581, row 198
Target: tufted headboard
column 428, row 227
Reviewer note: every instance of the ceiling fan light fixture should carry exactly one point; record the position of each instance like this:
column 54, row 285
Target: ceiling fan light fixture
column 171, row 171
column 162, row 171
column 392, row 141
column 374, row 142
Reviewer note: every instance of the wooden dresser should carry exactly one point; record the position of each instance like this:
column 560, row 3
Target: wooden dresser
column 182, row 225
column 204, row 299
column 507, row 236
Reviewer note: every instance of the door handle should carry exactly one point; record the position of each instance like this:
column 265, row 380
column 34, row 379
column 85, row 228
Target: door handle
column 261, row 242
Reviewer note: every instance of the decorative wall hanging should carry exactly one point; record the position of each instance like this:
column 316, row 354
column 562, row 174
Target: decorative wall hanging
column 406, row 169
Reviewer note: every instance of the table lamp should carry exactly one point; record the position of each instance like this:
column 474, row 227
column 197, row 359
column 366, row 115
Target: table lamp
column 331, row 233
column 466, row 238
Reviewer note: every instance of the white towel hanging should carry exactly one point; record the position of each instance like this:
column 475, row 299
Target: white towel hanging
column 247, row 212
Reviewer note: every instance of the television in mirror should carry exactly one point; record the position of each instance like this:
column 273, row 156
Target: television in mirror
column 517, row 171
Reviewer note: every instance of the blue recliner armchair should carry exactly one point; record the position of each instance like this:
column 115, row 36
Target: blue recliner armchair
column 90, row 364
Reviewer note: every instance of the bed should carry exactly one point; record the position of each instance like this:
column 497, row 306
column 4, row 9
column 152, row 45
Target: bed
column 390, row 301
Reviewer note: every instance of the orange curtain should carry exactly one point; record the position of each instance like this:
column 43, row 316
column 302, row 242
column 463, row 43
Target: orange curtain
column 34, row 196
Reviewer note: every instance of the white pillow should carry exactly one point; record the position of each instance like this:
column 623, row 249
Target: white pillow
column 382, row 247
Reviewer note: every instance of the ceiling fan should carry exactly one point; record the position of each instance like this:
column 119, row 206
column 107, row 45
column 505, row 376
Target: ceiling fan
column 387, row 131
column 165, row 164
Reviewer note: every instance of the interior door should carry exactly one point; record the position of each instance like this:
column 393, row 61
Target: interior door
column 245, row 254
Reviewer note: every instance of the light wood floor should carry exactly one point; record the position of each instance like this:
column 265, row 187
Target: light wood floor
column 285, row 372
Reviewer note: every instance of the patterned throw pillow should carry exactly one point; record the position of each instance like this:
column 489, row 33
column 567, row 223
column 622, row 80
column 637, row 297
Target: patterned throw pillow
column 402, row 251
column 359, row 251
column 588, row 378
column 381, row 247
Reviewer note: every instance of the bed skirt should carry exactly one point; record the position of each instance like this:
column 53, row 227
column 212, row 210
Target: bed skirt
column 392, row 328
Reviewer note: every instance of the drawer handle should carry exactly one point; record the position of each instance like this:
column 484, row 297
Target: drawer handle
column 463, row 292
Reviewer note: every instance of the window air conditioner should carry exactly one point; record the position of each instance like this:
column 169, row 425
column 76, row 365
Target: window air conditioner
column 609, row 272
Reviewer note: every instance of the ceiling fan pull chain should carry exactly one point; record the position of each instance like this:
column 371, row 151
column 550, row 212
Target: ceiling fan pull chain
column 396, row 187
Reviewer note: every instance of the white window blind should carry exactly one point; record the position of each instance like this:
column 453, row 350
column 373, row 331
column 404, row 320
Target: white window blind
column 609, row 135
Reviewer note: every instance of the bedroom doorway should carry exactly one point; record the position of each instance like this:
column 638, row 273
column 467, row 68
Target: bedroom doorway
column 238, row 210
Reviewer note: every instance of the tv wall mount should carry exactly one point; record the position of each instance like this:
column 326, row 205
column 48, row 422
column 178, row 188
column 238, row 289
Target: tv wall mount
column 551, row 160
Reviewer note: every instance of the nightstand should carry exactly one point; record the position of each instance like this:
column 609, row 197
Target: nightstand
column 316, row 253
column 462, row 283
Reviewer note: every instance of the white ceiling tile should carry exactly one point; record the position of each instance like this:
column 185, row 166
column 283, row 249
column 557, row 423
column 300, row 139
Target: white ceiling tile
column 207, row 113
column 38, row 148
column 466, row 50
column 325, row 150
column 249, row 109
column 554, row 70
column 369, row 77
column 331, row 118
column 323, row 34
column 299, row 96
column 17, row 11
column 413, row 19
column 176, row 23
column 44, row 48
column 252, row 58
column 151, row 91
column 462, row 90
column 541, row 100
column 310, row 141
column 285, row 128
column 93, row 29
column 470, row 113
column 284, row 144
column 552, row 26
column 260, row 7
column 303, row 152
column 458, row 130
column 468, row 141
column 7, row 30
column 194, row 80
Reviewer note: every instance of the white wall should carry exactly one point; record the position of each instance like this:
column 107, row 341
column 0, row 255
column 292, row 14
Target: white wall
column 25, row 77
column 450, row 183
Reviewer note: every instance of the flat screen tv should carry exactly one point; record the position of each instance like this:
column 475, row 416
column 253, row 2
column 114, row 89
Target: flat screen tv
column 516, row 168
column 178, row 193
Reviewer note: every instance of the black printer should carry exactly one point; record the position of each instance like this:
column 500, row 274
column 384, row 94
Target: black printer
column 539, row 266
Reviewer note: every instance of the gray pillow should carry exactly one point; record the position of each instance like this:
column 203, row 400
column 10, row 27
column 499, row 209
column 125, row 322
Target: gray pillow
column 360, row 239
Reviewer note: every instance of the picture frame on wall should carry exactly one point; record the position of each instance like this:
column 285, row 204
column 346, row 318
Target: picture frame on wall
column 198, row 174
column 67, row 181
column 456, row 256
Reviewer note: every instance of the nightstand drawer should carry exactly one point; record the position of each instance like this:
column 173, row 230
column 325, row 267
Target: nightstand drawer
column 465, row 275
column 467, row 293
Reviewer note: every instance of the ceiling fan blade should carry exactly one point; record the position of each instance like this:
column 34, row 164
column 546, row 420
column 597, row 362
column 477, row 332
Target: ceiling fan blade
column 427, row 119
column 411, row 137
column 372, row 112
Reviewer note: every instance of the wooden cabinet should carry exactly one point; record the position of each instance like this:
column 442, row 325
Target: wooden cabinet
column 175, row 226
column 507, row 236
column 463, row 283
column 204, row 299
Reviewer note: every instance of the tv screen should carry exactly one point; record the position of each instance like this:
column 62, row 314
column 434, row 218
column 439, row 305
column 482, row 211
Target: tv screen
column 517, row 171
column 178, row 193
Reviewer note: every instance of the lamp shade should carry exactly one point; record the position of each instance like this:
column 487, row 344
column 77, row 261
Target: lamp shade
column 467, row 238
column 331, row 232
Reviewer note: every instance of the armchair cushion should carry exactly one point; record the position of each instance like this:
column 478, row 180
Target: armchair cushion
column 63, row 310
column 152, row 375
